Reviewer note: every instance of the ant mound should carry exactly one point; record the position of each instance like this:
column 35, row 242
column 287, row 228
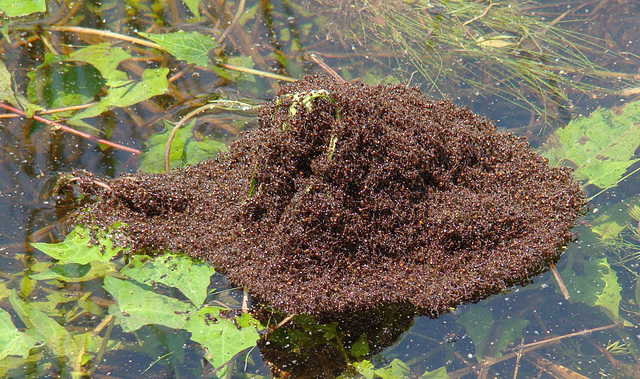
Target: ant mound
column 347, row 196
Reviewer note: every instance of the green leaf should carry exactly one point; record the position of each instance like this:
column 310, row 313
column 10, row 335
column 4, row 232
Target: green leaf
column 6, row 86
column 57, row 338
column 193, row 7
column 106, row 59
column 75, row 272
column 221, row 336
column 237, row 76
column 185, row 149
column 480, row 324
column 190, row 276
column 139, row 305
column 440, row 373
column 12, row 341
column 153, row 82
column 192, row 47
column 600, row 147
column 14, row 8
column 365, row 368
column 395, row 370
column 360, row 348
column 60, row 83
column 597, row 287
column 78, row 248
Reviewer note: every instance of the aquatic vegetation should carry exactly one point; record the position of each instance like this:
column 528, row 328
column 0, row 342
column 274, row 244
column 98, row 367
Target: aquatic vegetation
column 468, row 48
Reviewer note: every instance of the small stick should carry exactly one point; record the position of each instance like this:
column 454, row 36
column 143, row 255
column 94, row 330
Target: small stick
column 104, row 33
column 479, row 17
column 262, row 74
column 65, row 128
column 560, row 282
column 317, row 60
column 233, row 22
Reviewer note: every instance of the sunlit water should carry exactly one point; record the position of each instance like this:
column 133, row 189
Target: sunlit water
column 32, row 156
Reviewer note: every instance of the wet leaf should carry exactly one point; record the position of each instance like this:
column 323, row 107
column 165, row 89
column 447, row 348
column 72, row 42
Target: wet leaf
column 78, row 248
column 365, row 368
column 6, row 86
column 12, row 341
column 480, row 324
column 193, row 7
column 152, row 83
column 139, row 305
column 185, row 149
column 597, row 287
column 221, row 336
column 14, row 8
column 190, row 276
column 57, row 338
column 75, row 272
column 192, row 47
column 395, row 370
column 360, row 348
column 237, row 76
column 106, row 59
column 601, row 147
column 440, row 373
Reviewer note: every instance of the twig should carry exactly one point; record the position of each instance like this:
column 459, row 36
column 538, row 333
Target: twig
column 262, row 74
column 67, row 129
column 560, row 282
column 104, row 33
column 317, row 60
column 233, row 22
column 479, row 17
column 522, row 349
column 245, row 300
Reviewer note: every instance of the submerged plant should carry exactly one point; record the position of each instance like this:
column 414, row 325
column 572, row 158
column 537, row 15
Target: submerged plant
column 467, row 48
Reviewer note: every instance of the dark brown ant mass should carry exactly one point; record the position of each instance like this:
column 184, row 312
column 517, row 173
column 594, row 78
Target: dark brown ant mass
column 347, row 196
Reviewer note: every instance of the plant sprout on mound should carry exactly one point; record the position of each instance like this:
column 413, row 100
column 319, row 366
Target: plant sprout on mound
column 347, row 196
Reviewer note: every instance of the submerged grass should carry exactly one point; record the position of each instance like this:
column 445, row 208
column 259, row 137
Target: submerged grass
column 477, row 47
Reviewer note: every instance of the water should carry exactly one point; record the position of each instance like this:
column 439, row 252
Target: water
column 499, row 336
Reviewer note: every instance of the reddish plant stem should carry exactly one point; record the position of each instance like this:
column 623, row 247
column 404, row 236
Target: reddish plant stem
column 73, row 131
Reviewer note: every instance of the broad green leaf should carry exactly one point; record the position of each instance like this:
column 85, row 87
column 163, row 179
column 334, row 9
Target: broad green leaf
column 58, row 340
column 360, row 348
column 192, row 47
column 365, row 368
column 12, row 341
column 106, row 59
column 152, row 83
column 237, row 76
column 185, row 149
column 6, row 86
column 222, row 336
column 60, row 83
column 395, row 370
column 190, row 276
column 139, row 305
column 480, row 324
column 13, row 8
column 440, row 373
column 600, row 147
column 608, row 230
column 78, row 248
column 597, row 287
column 75, row 272
column 193, row 7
